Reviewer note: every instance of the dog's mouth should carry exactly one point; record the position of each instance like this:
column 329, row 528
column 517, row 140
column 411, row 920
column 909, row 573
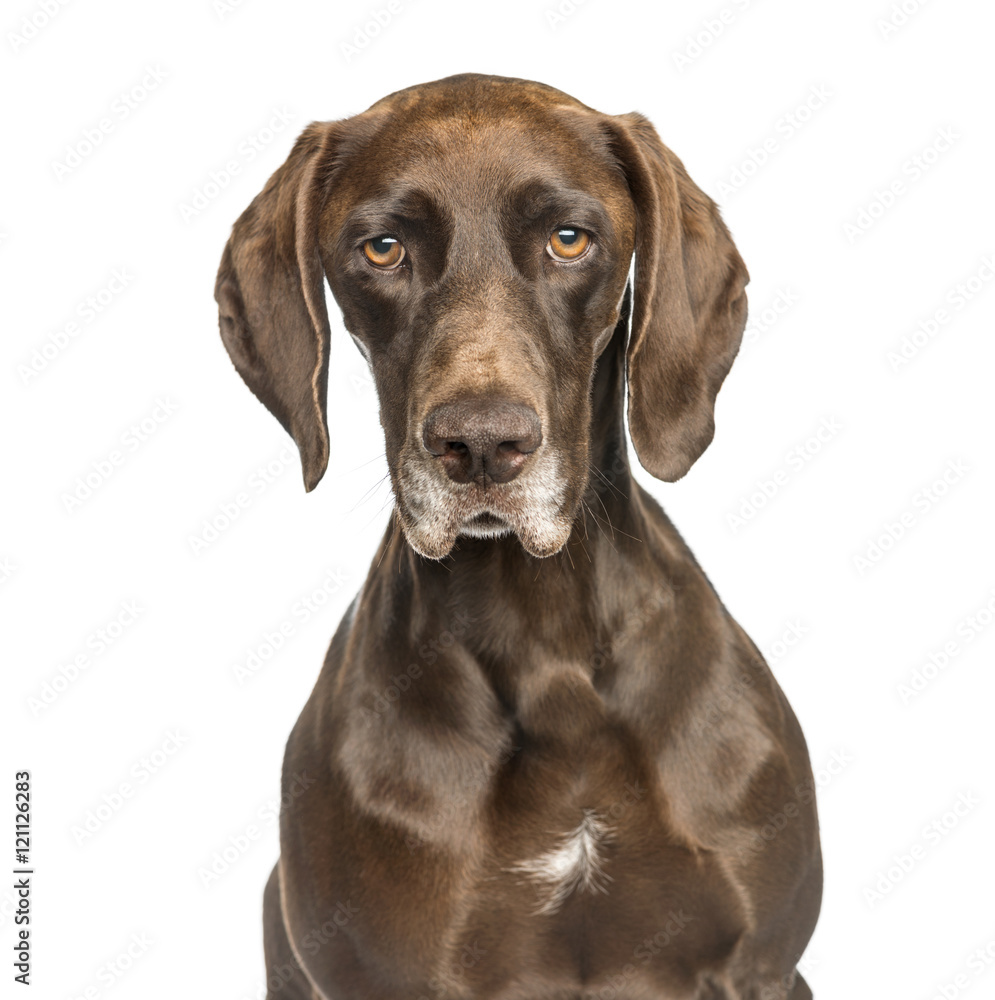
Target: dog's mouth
column 435, row 513
column 486, row 525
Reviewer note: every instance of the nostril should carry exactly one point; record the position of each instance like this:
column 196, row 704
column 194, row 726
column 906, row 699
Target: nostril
column 523, row 446
column 458, row 447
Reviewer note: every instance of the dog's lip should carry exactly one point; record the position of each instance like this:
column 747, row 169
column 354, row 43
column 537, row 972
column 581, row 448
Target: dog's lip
column 487, row 519
column 491, row 507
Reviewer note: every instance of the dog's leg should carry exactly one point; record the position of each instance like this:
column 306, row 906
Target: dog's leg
column 285, row 979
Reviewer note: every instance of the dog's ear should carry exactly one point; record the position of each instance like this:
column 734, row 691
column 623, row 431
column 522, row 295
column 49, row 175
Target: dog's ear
column 689, row 306
column 271, row 297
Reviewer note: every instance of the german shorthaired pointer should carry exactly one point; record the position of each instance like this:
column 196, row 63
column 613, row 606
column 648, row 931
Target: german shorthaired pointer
column 544, row 763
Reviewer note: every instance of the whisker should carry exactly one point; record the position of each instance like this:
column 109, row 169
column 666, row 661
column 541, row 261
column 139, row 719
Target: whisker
column 607, row 481
column 368, row 495
column 363, row 465
column 580, row 542
column 566, row 548
column 390, row 538
column 615, row 530
column 597, row 521
column 607, row 515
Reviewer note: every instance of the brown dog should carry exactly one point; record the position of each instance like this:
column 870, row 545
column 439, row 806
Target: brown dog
column 542, row 762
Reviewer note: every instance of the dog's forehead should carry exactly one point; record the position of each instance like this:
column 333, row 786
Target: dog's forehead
column 484, row 133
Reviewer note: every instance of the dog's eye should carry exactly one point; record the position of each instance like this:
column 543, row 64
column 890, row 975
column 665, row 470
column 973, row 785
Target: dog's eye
column 384, row 251
column 567, row 244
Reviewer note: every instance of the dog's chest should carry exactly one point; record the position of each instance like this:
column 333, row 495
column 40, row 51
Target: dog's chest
column 585, row 886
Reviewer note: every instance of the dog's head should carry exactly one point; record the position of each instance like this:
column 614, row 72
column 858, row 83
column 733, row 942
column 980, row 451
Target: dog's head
column 477, row 234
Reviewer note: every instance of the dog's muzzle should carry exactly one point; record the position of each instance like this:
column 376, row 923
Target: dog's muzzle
column 483, row 469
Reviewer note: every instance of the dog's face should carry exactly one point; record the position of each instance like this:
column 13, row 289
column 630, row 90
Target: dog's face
column 477, row 234
column 480, row 261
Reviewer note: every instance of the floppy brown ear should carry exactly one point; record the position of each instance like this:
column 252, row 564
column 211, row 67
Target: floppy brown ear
column 689, row 307
column 271, row 297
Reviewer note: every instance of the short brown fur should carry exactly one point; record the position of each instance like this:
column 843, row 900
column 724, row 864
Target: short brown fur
column 485, row 696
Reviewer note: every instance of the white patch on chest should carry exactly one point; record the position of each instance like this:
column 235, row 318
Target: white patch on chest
column 575, row 865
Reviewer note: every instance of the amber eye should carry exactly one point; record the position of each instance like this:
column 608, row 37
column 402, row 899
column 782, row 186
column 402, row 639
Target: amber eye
column 567, row 243
column 384, row 251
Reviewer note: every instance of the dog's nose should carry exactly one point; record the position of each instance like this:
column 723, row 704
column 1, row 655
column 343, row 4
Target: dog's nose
column 475, row 437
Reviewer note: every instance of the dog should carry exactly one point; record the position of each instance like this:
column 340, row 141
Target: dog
column 541, row 760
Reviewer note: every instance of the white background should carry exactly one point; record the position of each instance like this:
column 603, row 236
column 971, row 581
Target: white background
column 848, row 297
